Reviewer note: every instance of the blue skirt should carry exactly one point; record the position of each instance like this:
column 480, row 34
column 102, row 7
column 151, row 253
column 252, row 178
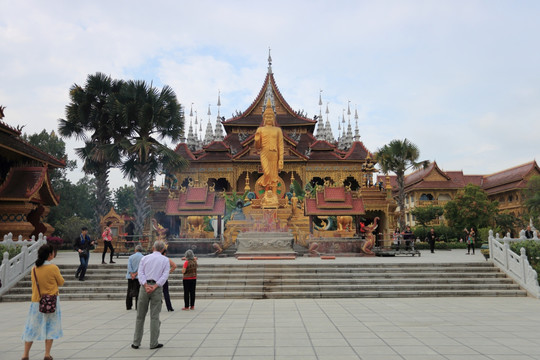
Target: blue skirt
column 40, row 326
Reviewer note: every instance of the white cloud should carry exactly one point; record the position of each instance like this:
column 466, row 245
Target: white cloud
column 461, row 80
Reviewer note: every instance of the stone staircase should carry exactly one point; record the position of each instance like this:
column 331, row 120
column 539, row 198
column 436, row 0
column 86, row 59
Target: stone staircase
column 279, row 280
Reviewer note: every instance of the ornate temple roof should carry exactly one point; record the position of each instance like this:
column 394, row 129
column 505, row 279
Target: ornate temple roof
column 434, row 178
column 12, row 146
column 28, row 184
column 297, row 129
column 196, row 201
column 334, row 201
column 513, row 178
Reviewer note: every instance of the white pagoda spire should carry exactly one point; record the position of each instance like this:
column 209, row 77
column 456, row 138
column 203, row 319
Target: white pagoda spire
column 219, row 128
column 320, row 120
column 356, row 131
column 191, row 140
column 328, row 128
column 209, row 135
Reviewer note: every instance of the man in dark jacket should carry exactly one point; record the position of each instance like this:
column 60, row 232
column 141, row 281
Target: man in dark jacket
column 529, row 233
column 431, row 238
column 83, row 245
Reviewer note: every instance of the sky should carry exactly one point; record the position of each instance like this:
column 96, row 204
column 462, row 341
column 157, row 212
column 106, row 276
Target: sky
column 460, row 79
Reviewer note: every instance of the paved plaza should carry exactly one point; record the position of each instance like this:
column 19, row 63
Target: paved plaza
column 411, row 328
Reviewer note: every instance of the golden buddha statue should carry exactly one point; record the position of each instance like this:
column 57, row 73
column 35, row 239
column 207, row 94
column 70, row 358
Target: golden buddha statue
column 269, row 141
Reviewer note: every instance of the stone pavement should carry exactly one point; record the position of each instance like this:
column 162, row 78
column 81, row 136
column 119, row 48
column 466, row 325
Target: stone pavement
column 387, row 328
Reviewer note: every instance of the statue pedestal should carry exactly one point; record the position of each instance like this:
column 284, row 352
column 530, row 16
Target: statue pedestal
column 258, row 244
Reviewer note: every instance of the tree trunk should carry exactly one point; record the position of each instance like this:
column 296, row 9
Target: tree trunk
column 142, row 184
column 102, row 189
column 401, row 199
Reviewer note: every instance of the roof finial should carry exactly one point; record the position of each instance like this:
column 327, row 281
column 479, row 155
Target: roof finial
column 269, row 61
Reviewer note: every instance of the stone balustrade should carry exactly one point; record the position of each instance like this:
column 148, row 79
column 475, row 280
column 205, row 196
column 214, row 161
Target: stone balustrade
column 514, row 265
column 12, row 270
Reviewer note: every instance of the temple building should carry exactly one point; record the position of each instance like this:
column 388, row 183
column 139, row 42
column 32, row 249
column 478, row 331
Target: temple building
column 25, row 188
column 433, row 186
column 230, row 162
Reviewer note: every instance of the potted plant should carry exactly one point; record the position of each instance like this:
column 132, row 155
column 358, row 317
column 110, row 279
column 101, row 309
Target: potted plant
column 485, row 250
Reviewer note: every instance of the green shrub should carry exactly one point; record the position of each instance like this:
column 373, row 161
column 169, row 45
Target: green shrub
column 532, row 250
column 441, row 245
column 11, row 250
column 445, row 233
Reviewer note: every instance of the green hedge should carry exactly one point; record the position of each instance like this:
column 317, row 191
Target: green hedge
column 441, row 245
column 532, row 249
column 12, row 251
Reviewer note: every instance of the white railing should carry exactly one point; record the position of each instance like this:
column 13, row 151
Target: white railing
column 12, row 270
column 514, row 265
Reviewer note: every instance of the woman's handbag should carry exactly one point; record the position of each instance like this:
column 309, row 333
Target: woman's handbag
column 47, row 303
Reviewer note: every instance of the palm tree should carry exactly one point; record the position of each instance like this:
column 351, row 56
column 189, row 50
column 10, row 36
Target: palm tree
column 90, row 116
column 399, row 156
column 151, row 115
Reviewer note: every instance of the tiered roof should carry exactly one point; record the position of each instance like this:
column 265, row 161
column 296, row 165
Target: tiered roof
column 334, row 201
column 433, row 177
column 28, row 184
column 196, row 201
column 298, row 133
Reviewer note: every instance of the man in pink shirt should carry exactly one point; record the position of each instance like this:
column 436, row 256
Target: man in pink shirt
column 153, row 272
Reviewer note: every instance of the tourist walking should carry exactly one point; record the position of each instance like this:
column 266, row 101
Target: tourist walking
column 46, row 279
column 189, row 271
column 107, row 242
column 431, row 238
column 83, row 245
column 471, row 239
column 153, row 272
column 132, row 278
column 166, row 295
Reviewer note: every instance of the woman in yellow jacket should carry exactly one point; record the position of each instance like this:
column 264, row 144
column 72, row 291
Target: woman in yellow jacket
column 40, row 326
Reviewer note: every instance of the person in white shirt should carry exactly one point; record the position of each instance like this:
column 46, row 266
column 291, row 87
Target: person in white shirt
column 153, row 272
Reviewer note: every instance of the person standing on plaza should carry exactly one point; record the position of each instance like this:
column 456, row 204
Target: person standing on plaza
column 471, row 239
column 132, row 278
column 408, row 236
column 107, row 242
column 83, row 245
column 529, row 233
column 153, row 272
column 166, row 295
column 46, row 279
column 431, row 238
column 189, row 271
column 396, row 237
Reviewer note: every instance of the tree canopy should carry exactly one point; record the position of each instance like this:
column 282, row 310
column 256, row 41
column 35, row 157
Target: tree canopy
column 398, row 156
column 471, row 208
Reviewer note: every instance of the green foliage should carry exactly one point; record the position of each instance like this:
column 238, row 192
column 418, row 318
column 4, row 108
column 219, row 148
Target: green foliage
column 150, row 115
column 124, row 199
column 70, row 229
column 398, row 156
column 298, row 190
column 425, row 214
column 55, row 146
column 230, row 204
column 505, row 222
column 470, row 208
column 531, row 196
column 532, row 250
column 76, row 200
column 11, row 250
column 441, row 245
column 445, row 233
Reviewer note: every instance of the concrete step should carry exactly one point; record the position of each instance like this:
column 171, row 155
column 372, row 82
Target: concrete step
column 258, row 280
